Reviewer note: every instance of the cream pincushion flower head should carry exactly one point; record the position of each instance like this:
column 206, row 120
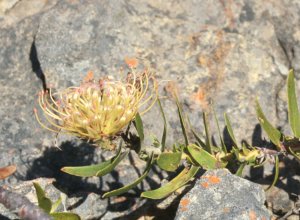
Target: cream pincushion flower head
column 97, row 110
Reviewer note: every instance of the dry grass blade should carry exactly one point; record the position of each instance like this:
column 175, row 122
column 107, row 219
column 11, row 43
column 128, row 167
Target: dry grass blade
column 7, row 171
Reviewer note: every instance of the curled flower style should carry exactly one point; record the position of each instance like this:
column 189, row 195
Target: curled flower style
column 98, row 109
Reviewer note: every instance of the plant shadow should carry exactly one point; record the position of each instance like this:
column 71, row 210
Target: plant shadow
column 68, row 154
column 162, row 208
column 71, row 154
column 288, row 171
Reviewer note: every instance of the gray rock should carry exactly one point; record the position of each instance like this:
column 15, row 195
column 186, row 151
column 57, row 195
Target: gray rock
column 14, row 11
column 220, row 195
column 84, row 195
column 279, row 200
column 224, row 52
column 226, row 58
column 293, row 217
column 19, row 86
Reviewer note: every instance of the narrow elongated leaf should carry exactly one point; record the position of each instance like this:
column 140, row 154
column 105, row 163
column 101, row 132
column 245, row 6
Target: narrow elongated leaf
column 276, row 175
column 55, row 205
column 96, row 170
column 173, row 185
column 203, row 158
column 169, row 161
column 198, row 139
column 65, row 216
column 111, row 166
column 182, row 122
column 164, row 135
column 208, row 145
column 294, row 153
column 126, row 188
column 86, row 171
column 239, row 172
column 196, row 136
column 138, row 123
column 229, row 129
column 43, row 201
column 273, row 133
column 223, row 147
column 294, row 115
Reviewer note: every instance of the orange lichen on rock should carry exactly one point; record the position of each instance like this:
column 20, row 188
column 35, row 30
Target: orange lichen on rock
column 171, row 88
column 252, row 215
column 184, row 203
column 213, row 179
column 210, row 180
column 213, row 62
column 226, row 210
column 131, row 62
column 205, row 184
column 204, row 61
column 200, row 97
column 89, row 77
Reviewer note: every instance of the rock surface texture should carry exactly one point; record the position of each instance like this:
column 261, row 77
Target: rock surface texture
column 224, row 53
column 220, row 195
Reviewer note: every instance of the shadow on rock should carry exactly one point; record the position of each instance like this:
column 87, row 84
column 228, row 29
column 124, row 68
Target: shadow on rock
column 71, row 154
column 53, row 159
column 162, row 208
column 288, row 171
column 3, row 217
column 258, row 141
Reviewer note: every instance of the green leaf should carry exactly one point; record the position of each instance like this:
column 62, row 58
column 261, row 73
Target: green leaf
column 239, row 172
column 276, row 173
column 55, row 205
column 96, row 170
column 169, row 161
column 273, row 133
column 294, row 115
column 126, row 188
column 164, row 136
column 223, row 147
column 208, row 145
column 138, row 123
column 86, row 171
column 203, row 158
column 182, row 122
column 111, row 166
column 43, row 201
column 294, row 153
column 65, row 216
column 229, row 129
column 197, row 137
column 173, row 185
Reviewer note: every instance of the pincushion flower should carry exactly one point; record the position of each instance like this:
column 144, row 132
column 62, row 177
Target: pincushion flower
column 98, row 109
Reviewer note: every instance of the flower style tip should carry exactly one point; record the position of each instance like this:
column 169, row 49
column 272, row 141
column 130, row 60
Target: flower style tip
column 97, row 110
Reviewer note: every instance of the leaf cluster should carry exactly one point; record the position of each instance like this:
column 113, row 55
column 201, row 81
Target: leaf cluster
column 189, row 157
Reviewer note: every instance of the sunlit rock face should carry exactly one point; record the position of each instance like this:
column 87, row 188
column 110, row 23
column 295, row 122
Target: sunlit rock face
column 223, row 54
